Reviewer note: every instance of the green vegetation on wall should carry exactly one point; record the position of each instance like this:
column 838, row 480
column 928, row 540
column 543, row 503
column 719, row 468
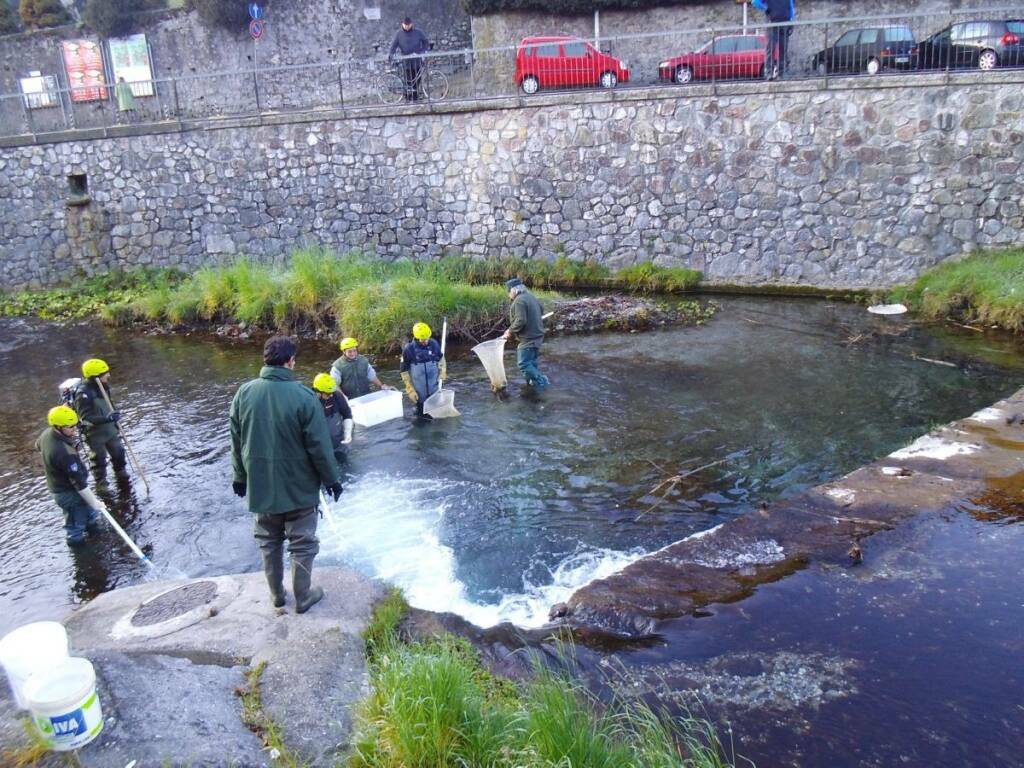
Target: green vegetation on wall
column 983, row 288
column 8, row 19
column 39, row 14
column 482, row 7
column 117, row 18
column 232, row 15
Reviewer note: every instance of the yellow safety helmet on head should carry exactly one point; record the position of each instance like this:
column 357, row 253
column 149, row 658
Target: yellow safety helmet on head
column 324, row 383
column 62, row 416
column 94, row 367
column 348, row 343
column 421, row 331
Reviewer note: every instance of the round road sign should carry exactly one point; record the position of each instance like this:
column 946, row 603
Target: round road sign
column 256, row 28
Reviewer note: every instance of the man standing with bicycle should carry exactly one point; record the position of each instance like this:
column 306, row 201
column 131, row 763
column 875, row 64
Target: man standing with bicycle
column 410, row 42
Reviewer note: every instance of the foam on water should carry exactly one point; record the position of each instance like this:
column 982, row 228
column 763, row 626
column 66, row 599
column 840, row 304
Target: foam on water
column 388, row 528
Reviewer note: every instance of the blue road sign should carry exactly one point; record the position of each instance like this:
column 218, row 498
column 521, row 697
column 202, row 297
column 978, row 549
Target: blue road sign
column 255, row 11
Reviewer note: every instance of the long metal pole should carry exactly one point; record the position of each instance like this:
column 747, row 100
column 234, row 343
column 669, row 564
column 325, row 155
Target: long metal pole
column 100, row 507
column 124, row 437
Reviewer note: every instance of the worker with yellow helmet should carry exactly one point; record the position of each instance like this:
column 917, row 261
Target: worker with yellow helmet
column 99, row 420
column 66, row 474
column 353, row 372
column 423, row 367
column 337, row 412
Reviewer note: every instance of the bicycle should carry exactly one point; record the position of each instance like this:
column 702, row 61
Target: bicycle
column 430, row 83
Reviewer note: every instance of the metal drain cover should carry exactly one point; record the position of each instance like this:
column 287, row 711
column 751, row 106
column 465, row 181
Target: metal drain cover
column 175, row 603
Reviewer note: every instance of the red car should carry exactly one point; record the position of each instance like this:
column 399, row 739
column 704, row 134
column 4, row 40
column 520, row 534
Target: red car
column 724, row 58
column 562, row 62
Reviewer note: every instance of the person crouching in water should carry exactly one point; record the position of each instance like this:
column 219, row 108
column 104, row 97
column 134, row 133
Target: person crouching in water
column 66, row 474
column 337, row 412
column 423, row 367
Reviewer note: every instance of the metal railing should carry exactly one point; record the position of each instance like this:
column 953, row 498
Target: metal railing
column 822, row 49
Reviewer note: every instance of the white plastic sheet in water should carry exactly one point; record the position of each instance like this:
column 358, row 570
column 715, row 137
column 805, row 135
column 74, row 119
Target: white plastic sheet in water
column 887, row 309
column 492, row 355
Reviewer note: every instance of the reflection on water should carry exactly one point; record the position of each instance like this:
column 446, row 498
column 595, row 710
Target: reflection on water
column 509, row 508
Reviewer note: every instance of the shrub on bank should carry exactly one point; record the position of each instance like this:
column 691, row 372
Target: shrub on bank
column 435, row 704
column 984, row 288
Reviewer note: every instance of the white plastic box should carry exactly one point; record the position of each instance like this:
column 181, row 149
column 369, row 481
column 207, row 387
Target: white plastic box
column 376, row 407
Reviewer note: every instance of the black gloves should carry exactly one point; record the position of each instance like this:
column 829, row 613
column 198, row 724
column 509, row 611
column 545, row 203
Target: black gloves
column 114, row 417
column 239, row 489
column 335, row 490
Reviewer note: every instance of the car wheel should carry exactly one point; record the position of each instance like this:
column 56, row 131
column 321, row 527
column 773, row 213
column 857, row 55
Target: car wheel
column 609, row 80
column 822, row 69
column 684, row 75
column 530, row 85
column 987, row 60
column 873, row 67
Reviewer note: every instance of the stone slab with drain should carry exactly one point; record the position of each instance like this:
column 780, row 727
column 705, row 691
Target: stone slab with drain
column 170, row 655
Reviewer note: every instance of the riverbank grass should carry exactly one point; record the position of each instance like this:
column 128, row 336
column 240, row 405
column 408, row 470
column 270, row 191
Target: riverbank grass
column 435, row 704
column 984, row 289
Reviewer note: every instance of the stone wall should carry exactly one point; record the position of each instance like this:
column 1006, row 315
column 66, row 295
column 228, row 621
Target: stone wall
column 862, row 187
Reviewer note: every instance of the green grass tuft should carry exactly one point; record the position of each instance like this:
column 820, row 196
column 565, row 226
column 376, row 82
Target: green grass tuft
column 381, row 633
column 984, row 288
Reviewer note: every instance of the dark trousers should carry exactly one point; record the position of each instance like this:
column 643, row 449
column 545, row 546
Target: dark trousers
column 412, row 70
column 778, row 49
column 526, row 360
column 79, row 517
column 100, row 449
column 298, row 527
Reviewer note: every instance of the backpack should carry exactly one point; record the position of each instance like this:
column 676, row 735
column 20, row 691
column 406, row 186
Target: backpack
column 69, row 389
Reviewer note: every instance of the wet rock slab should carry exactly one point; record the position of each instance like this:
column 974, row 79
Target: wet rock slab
column 171, row 656
column 979, row 459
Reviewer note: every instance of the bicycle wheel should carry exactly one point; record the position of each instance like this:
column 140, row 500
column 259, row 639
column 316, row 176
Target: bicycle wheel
column 391, row 88
column 435, row 85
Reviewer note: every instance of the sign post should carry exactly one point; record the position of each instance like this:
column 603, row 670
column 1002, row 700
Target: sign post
column 256, row 29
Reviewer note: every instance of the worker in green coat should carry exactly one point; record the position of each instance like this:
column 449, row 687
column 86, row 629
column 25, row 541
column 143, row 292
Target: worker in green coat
column 281, row 455
column 100, row 420
column 66, row 474
column 526, row 323
column 353, row 372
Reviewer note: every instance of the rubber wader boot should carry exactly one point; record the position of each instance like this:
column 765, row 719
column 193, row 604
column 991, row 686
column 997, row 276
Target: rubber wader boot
column 302, row 576
column 273, row 568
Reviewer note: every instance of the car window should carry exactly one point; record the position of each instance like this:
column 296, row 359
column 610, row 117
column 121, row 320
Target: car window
column 1017, row 27
column 942, row 37
column 868, row 36
column 899, row 34
column 724, row 45
column 549, row 51
column 748, row 43
column 970, row 31
column 849, row 38
column 529, row 51
column 575, row 50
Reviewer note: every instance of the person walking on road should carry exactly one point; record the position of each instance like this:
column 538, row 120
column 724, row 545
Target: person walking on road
column 281, row 455
column 526, row 324
column 352, row 372
column 423, row 367
column 99, row 420
column 66, row 474
column 410, row 42
column 338, row 414
column 778, row 12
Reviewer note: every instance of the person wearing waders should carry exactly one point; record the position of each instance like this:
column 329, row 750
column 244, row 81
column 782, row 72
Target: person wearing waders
column 66, row 474
column 423, row 368
column 526, row 324
column 352, row 372
column 338, row 414
column 281, row 455
column 99, row 420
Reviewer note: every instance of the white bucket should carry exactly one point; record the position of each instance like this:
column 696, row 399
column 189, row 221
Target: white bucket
column 492, row 355
column 30, row 648
column 376, row 407
column 64, row 704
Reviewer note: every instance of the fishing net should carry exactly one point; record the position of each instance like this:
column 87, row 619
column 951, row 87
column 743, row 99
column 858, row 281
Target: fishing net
column 441, row 405
column 492, row 355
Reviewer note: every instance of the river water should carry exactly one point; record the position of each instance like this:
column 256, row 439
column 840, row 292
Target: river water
column 506, row 510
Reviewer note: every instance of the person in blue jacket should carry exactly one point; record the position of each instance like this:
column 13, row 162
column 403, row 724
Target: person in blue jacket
column 778, row 12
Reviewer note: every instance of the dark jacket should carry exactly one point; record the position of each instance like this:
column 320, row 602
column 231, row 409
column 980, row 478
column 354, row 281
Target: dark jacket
column 409, row 43
column 777, row 10
column 353, row 376
column 93, row 411
column 64, row 468
column 422, row 362
column 280, row 446
column 525, row 320
column 336, row 411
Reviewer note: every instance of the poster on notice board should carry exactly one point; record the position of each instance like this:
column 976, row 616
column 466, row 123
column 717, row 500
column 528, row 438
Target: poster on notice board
column 129, row 58
column 83, row 61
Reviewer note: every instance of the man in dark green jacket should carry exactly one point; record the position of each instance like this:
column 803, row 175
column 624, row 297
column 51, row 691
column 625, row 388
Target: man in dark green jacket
column 352, row 372
column 66, row 473
column 281, row 455
column 526, row 323
column 100, row 420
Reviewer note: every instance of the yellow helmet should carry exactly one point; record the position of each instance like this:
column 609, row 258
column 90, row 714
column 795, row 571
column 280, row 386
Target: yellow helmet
column 348, row 343
column 62, row 416
column 94, row 367
column 421, row 331
column 324, row 383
